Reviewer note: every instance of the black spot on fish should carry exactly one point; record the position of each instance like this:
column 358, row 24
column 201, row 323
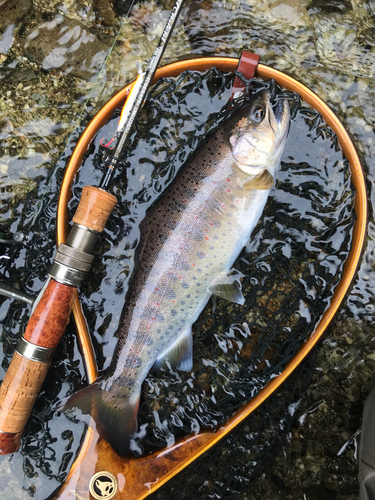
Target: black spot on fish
column 216, row 223
column 181, row 264
column 144, row 338
column 170, row 294
column 173, row 312
column 121, row 382
column 153, row 314
column 132, row 362
column 185, row 285
column 170, row 224
column 212, row 247
column 196, row 234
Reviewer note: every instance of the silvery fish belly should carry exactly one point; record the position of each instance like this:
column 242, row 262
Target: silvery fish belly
column 189, row 241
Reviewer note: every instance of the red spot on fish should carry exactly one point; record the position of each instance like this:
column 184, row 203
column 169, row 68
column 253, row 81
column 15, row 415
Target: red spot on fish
column 193, row 265
column 228, row 190
column 228, row 180
column 211, row 223
column 147, row 329
column 180, row 277
column 206, row 238
column 173, row 301
column 223, row 205
column 156, row 288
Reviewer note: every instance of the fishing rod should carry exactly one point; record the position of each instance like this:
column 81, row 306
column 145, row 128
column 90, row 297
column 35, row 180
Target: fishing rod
column 72, row 262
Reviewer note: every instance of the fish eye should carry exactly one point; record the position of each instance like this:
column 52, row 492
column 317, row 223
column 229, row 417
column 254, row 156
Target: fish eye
column 259, row 114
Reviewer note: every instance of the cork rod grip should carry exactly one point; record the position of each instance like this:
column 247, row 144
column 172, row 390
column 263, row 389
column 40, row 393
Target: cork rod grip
column 94, row 208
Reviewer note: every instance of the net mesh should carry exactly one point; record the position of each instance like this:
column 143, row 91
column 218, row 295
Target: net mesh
column 291, row 266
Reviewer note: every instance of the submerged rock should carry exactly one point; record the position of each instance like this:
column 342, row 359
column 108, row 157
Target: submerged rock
column 290, row 11
column 105, row 12
column 13, row 11
column 66, row 45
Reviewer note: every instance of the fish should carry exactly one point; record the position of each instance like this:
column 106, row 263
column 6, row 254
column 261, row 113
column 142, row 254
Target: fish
column 189, row 241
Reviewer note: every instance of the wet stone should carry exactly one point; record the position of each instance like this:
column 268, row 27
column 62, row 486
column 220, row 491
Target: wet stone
column 105, row 13
column 13, row 11
column 291, row 11
column 66, row 45
column 22, row 75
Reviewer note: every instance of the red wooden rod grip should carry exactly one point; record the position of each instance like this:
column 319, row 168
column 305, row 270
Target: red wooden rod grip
column 24, row 377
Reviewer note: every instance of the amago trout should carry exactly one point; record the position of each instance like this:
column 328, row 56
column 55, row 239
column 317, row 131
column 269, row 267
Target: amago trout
column 189, row 241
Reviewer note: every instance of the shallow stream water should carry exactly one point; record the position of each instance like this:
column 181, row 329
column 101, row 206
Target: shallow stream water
column 50, row 87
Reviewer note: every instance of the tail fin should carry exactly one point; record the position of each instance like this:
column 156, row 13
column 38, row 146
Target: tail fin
column 115, row 415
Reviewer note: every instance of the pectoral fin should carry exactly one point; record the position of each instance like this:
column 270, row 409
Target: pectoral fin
column 263, row 182
column 228, row 287
column 179, row 355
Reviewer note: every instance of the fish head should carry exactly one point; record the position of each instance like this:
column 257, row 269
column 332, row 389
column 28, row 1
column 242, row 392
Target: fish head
column 256, row 136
